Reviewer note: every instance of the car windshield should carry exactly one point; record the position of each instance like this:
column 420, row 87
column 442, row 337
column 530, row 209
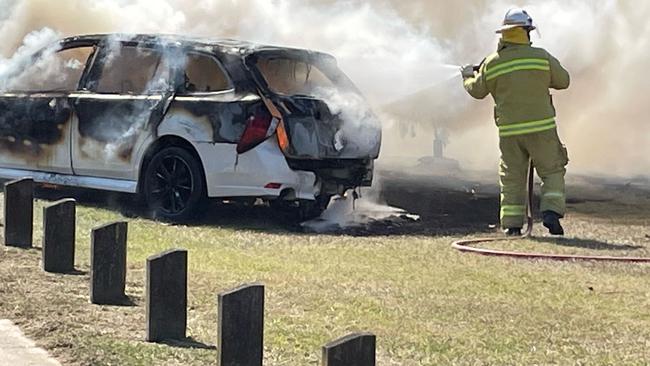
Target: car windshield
column 297, row 76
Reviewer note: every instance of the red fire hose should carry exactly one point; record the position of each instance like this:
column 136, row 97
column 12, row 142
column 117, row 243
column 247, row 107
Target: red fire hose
column 466, row 246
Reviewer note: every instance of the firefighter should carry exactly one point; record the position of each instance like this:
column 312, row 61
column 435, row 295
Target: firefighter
column 519, row 76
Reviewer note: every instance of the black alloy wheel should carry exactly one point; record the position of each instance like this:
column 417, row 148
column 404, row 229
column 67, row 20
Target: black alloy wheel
column 310, row 210
column 174, row 186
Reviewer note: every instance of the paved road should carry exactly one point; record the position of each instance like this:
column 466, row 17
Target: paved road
column 18, row 350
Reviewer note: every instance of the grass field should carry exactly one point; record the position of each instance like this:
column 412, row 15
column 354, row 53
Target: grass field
column 428, row 304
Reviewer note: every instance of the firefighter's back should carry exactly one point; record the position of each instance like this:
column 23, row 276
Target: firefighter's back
column 519, row 78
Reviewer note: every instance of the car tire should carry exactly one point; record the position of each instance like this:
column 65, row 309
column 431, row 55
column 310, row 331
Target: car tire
column 174, row 185
column 300, row 211
column 310, row 210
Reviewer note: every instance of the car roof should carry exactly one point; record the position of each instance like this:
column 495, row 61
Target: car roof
column 231, row 46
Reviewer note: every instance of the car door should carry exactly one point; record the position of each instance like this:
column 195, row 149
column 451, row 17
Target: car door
column 126, row 90
column 36, row 116
column 208, row 112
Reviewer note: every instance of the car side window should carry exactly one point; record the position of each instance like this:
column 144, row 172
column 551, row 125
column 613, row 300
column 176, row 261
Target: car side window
column 204, row 75
column 130, row 70
column 60, row 71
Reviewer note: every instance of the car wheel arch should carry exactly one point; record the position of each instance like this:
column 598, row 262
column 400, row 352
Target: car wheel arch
column 161, row 143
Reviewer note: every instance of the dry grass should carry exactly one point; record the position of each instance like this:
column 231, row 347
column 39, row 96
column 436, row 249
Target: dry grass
column 428, row 304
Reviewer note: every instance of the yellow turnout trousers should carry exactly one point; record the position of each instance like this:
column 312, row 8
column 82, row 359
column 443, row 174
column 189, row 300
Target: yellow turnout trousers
column 550, row 158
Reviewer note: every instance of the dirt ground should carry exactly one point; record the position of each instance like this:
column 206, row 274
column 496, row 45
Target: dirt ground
column 396, row 277
column 469, row 203
column 460, row 203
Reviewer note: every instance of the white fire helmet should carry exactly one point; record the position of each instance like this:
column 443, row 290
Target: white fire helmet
column 517, row 17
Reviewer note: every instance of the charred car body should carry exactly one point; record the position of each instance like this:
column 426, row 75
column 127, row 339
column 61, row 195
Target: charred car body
column 178, row 120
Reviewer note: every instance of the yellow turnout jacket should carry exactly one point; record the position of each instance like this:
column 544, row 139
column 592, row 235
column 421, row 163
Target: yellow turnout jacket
column 519, row 76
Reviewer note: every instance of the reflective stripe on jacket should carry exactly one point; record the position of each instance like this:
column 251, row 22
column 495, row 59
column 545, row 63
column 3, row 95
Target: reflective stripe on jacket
column 519, row 76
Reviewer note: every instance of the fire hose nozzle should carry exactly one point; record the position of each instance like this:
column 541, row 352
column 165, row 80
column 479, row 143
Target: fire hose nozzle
column 469, row 71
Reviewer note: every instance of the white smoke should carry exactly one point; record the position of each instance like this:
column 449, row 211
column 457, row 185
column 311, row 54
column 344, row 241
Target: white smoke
column 358, row 212
column 12, row 70
column 361, row 128
column 393, row 48
column 603, row 44
column 374, row 44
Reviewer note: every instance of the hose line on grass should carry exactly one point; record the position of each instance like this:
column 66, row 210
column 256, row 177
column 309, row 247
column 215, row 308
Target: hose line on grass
column 467, row 246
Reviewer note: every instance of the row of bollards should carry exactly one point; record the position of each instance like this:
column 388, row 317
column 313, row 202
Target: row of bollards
column 240, row 311
column 108, row 243
column 58, row 226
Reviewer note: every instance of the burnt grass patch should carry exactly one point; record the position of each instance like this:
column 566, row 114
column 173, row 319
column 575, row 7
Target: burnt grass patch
column 446, row 205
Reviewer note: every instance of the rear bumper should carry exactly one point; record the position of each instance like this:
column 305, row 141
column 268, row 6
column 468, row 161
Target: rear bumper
column 249, row 174
column 338, row 175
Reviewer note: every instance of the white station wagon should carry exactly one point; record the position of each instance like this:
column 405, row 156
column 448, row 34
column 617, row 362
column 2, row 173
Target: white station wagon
column 178, row 120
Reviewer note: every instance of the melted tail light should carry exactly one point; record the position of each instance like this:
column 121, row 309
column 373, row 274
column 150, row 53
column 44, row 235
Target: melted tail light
column 281, row 131
column 259, row 128
column 283, row 138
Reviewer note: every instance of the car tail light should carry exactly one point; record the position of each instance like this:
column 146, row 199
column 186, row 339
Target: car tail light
column 259, row 128
column 281, row 131
column 283, row 138
column 273, row 186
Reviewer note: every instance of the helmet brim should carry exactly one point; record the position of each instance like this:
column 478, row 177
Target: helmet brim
column 513, row 26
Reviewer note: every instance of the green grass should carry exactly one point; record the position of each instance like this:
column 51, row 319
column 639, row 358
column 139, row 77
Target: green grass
column 427, row 303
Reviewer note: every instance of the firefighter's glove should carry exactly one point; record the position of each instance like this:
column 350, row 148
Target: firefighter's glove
column 467, row 71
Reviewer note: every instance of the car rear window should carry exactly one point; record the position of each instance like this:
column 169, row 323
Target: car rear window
column 296, row 76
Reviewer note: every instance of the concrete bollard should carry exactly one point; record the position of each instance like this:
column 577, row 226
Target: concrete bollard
column 166, row 304
column 353, row 350
column 241, row 326
column 19, row 213
column 108, row 264
column 59, row 224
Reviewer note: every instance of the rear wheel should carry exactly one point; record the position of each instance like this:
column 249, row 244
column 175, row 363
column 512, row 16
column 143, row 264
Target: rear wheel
column 309, row 210
column 303, row 210
column 174, row 187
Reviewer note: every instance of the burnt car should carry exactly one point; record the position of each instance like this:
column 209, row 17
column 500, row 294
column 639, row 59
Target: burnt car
column 178, row 120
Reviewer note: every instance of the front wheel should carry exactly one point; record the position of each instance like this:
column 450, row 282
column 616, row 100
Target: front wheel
column 174, row 187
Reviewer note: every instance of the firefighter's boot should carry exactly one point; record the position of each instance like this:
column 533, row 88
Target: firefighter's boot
column 512, row 231
column 552, row 223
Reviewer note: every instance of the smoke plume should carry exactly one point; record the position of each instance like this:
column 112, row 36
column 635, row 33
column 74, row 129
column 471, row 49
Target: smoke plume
column 393, row 49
